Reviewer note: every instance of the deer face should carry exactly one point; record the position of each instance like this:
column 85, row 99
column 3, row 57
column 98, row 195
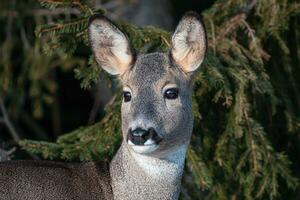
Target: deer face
column 157, row 87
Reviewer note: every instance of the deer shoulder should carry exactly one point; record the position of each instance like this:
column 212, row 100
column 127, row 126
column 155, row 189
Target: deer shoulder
column 54, row 180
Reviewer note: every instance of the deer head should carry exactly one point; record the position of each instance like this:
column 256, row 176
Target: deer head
column 157, row 87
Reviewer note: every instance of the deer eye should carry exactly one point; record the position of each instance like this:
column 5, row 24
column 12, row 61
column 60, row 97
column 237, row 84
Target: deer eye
column 171, row 93
column 126, row 96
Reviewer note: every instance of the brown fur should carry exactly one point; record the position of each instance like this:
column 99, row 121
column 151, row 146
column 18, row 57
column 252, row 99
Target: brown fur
column 46, row 180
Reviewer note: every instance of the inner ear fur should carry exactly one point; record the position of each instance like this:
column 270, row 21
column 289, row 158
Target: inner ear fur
column 189, row 42
column 110, row 46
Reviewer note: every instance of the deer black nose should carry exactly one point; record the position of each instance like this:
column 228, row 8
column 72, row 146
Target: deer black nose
column 139, row 132
column 139, row 136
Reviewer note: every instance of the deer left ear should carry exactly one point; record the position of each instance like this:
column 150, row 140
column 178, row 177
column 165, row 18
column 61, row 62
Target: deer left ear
column 189, row 42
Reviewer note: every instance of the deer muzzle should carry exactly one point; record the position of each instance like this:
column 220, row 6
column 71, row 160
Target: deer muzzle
column 142, row 137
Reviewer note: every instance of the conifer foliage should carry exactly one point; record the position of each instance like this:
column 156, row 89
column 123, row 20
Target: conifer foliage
column 246, row 99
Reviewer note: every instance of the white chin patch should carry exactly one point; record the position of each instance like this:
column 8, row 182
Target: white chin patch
column 148, row 147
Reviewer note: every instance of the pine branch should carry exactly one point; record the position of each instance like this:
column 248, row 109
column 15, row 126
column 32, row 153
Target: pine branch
column 74, row 26
column 252, row 144
column 81, row 4
column 249, row 7
column 203, row 177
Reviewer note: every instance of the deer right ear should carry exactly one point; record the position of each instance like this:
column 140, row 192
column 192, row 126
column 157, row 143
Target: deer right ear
column 110, row 46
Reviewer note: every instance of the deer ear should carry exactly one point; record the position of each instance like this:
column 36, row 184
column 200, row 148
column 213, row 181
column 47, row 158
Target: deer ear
column 110, row 46
column 189, row 42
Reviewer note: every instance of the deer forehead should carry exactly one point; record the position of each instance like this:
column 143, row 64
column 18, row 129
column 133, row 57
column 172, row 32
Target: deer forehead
column 152, row 71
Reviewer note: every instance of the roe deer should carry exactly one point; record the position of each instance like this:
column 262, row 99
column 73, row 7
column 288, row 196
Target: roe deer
column 157, row 124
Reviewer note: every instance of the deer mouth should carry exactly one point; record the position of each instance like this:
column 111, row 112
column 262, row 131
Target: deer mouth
column 143, row 149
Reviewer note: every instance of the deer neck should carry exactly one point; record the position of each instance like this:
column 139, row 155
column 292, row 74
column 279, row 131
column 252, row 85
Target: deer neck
column 135, row 176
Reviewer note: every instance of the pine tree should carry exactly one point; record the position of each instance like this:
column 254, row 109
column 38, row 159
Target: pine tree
column 246, row 99
column 28, row 84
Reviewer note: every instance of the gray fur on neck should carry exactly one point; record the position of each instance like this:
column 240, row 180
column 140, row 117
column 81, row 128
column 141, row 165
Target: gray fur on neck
column 135, row 176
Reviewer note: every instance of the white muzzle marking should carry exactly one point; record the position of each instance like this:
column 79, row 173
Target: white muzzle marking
column 148, row 147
